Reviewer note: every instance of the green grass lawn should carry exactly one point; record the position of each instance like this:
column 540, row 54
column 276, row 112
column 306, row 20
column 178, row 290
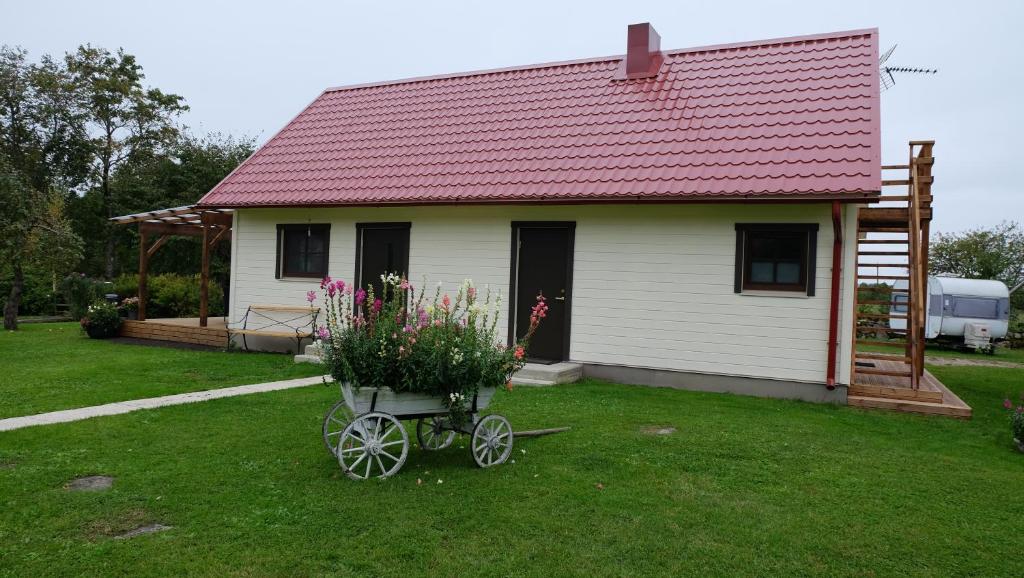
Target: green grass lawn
column 52, row 366
column 745, row 486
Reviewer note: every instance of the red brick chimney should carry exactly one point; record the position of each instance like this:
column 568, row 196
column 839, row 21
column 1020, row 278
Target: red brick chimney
column 643, row 52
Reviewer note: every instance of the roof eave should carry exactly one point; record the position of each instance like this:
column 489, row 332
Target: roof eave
column 847, row 197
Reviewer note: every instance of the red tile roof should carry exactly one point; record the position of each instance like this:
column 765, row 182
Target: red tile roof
column 776, row 119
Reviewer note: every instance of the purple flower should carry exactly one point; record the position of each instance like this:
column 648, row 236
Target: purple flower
column 325, row 282
column 360, row 296
column 331, row 290
column 323, row 333
column 377, row 304
column 1007, row 404
column 311, row 296
column 339, row 286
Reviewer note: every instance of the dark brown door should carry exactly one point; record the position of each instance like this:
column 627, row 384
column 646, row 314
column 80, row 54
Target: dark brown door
column 381, row 248
column 544, row 267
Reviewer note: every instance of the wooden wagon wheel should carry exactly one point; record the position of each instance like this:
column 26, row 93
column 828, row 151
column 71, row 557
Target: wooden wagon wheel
column 491, row 442
column 373, row 445
column 432, row 435
column 334, row 423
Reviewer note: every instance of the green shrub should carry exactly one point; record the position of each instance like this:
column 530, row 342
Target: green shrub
column 37, row 296
column 101, row 320
column 170, row 294
column 81, row 291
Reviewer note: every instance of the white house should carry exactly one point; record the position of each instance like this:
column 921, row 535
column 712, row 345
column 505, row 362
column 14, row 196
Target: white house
column 691, row 214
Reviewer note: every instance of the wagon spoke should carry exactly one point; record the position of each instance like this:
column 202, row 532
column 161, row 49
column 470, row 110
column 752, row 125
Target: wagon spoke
column 356, row 463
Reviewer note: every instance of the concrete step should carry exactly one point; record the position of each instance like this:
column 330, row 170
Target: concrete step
column 527, row 382
column 563, row 372
column 311, row 354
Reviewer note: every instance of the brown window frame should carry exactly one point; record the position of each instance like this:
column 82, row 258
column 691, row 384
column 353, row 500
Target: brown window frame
column 808, row 258
column 282, row 271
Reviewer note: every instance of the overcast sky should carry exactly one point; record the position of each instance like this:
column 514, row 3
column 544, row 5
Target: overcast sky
column 248, row 68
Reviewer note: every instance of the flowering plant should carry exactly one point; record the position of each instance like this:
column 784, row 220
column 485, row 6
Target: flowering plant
column 1016, row 420
column 444, row 347
column 101, row 320
column 129, row 304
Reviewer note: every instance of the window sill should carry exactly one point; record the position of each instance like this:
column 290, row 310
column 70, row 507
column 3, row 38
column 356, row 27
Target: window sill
column 299, row 279
column 783, row 294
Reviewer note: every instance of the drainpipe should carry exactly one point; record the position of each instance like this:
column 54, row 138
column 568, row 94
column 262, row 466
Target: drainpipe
column 833, row 313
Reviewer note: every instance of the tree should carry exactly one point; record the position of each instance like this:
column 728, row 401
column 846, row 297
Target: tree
column 179, row 175
column 996, row 253
column 42, row 151
column 124, row 120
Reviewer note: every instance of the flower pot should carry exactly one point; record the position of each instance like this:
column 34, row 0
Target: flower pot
column 98, row 332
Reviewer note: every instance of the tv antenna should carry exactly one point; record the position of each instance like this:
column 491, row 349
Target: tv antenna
column 885, row 72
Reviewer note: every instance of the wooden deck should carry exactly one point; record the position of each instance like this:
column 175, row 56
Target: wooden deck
column 891, row 392
column 181, row 330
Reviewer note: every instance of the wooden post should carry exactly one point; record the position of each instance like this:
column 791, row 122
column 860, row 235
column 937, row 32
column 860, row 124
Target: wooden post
column 143, row 270
column 204, row 278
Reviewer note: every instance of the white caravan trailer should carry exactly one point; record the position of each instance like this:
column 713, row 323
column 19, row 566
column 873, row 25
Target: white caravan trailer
column 963, row 312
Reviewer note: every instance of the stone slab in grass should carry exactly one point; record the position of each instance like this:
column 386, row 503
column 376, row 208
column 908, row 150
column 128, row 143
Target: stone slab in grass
column 141, row 530
column 657, row 430
column 90, row 484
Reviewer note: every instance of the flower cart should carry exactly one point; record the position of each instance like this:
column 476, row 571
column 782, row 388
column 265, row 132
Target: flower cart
column 398, row 358
column 375, row 444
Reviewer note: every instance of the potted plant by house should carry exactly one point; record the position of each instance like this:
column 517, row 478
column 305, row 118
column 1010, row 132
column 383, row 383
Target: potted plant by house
column 101, row 320
column 129, row 308
column 1016, row 420
column 399, row 356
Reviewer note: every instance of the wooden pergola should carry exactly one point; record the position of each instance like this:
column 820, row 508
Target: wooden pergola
column 212, row 224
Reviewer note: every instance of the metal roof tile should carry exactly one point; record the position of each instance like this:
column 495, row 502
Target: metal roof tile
column 781, row 118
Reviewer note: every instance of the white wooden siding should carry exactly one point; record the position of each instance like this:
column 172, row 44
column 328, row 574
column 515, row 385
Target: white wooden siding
column 652, row 285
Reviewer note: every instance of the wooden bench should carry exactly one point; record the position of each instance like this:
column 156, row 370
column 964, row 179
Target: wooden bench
column 259, row 320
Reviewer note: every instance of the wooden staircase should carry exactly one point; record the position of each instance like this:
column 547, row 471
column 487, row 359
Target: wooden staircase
column 892, row 262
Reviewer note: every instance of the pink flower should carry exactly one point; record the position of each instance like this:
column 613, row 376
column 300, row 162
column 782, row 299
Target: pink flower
column 360, row 296
column 1007, row 404
column 325, row 282
column 405, row 286
column 323, row 333
column 339, row 286
column 437, row 323
column 446, row 302
column 471, row 293
column 520, row 352
column 311, row 296
column 377, row 304
column 330, row 290
column 348, row 289
column 401, row 349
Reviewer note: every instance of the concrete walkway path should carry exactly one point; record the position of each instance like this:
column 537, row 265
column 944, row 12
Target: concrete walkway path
column 150, row 403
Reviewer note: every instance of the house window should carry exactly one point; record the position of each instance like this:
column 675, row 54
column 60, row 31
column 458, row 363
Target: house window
column 775, row 257
column 302, row 250
column 381, row 248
